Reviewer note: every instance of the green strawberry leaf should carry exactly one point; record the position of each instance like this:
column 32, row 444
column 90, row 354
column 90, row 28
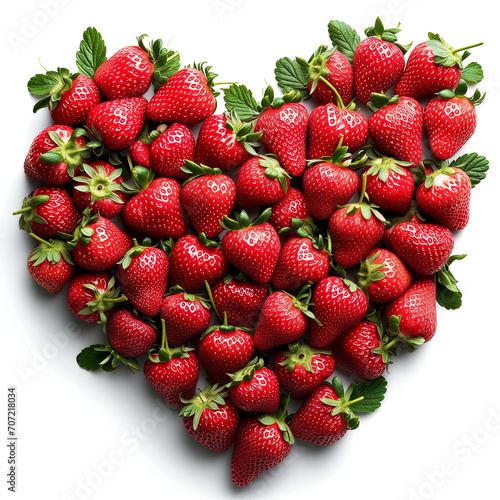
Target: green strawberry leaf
column 92, row 52
column 473, row 165
column 90, row 358
column 447, row 293
column 291, row 76
column 344, row 38
column 472, row 73
column 240, row 99
column 372, row 393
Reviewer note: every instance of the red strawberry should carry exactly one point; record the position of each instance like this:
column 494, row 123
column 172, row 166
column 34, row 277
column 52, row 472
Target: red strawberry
column 255, row 388
column 185, row 315
column 92, row 296
column 262, row 442
column 207, row 197
column 143, row 277
column 354, row 230
column 445, row 195
column 425, row 248
column 50, row 264
column 411, row 216
column 301, row 368
column 223, row 141
column 211, row 418
column 412, row 315
column 156, row 211
column 253, row 248
column 284, row 133
column 173, row 373
column 338, row 305
column 240, row 299
column 261, row 181
column 196, row 260
column 292, row 206
column 98, row 244
column 188, row 97
column 55, row 153
column 140, row 153
column 118, row 123
column 396, row 127
column 378, row 61
column 361, row 350
column 432, row 66
column 283, row 319
column 389, row 184
column 47, row 211
column 69, row 97
column 383, row 276
column 329, row 183
column 328, row 123
column 129, row 335
column 450, row 120
column 99, row 188
column 329, row 412
column 170, row 149
column 224, row 349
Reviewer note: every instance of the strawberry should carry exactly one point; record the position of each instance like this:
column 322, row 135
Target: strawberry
column 240, row 299
column 129, row 335
column 185, row 315
column 69, row 97
column 301, row 369
column 396, row 127
column 283, row 319
column 224, row 349
column 389, row 183
column 156, row 211
column 224, row 142
column 196, row 260
column 425, row 248
column 450, row 120
column 338, row 305
column 432, row 66
column 118, row 123
column 47, row 211
column 255, row 388
column 92, row 296
column 173, row 373
column 383, row 276
column 354, row 230
column 261, row 180
column 97, row 244
column 187, row 97
column 211, row 418
column 412, row 315
column 253, row 248
column 207, row 196
column 55, row 153
column 50, row 264
column 292, row 206
column 445, row 195
column 262, row 442
column 363, row 350
column 171, row 149
column 143, row 276
column 303, row 259
column 330, row 122
column 378, row 61
column 99, row 188
column 140, row 153
column 330, row 182
column 329, row 412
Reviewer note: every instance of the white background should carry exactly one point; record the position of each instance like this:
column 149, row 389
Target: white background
column 101, row 435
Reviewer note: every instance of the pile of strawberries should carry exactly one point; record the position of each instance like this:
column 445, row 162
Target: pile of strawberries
column 240, row 252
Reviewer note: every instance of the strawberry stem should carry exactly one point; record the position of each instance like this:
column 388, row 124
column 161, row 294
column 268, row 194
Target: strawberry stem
column 454, row 51
column 211, row 298
column 340, row 103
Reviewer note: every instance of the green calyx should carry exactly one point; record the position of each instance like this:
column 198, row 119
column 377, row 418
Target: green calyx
column 224, row 328
column 387, row 35
column 166, row 62
column 379, row 100
column 209, row 75
column 368, row 210
column 104, row 357
column 448, row 294
column 369, row 272
column 381, row 166
column 364, row 397
column 273, row 170
column 163, row 353
column 190, row 297
column 28, row 211
column 244, row 132
column 246, row 373
column 316, row 65
column 342, row 158
column 300, row 354
column 280, row 419
column 242, row 220
column 445, row 55
column 51, row 251
column 99, row 184
column 430, row 179
column 302, row 302
column 69, row 152
column 476, row 99
column 196, row 170
column 50, row 87
column 133, row 252
column 82, row 234
column 410, row 343
column 210, row 398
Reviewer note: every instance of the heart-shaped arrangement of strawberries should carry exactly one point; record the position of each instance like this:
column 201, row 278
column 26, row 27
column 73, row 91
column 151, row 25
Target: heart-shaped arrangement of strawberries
column 277, row 245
